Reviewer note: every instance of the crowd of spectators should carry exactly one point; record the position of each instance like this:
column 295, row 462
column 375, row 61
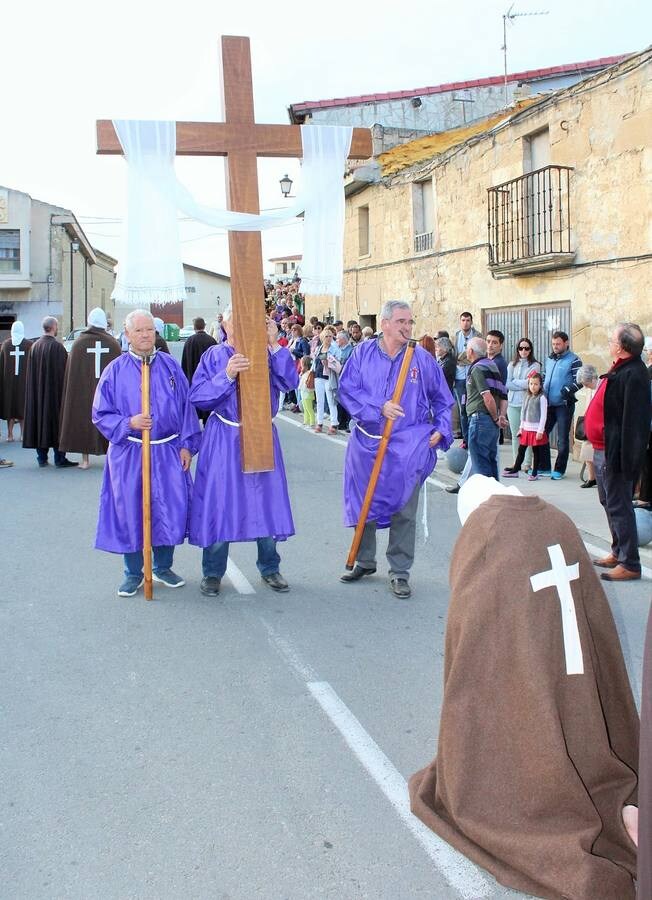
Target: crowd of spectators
column 502, row 381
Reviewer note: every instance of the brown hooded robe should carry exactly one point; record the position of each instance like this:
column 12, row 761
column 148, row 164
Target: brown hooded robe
column 45, row 373
column 12, row 386
column 533, row 765
column 78, row 434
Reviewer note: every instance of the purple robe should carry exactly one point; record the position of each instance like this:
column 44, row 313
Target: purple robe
column 229, row 504
column 366, row 383
column 117, row 399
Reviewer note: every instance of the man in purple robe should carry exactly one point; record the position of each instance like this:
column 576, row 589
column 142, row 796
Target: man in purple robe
column 422, row 423
column 175, row 437
column 229, row 504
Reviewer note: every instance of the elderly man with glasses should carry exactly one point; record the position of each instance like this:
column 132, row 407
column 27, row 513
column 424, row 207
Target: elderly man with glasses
column 422, row 424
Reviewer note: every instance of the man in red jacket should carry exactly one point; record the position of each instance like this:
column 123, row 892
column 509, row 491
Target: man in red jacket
column 617, row 423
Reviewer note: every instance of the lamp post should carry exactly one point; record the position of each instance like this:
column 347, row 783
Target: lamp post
column 286, row 185
column 74, row 247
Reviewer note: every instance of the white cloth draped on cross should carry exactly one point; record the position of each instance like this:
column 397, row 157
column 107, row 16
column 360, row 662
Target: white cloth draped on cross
column 150, row 268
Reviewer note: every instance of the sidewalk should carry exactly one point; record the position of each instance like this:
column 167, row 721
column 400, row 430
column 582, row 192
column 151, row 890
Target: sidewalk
column 581, row 504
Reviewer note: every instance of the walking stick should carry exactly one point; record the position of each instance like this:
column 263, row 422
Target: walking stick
column 380, row 456
column 147, row 483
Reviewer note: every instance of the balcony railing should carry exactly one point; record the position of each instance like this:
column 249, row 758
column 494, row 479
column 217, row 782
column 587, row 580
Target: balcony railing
column 528, row 221
column 423, row 242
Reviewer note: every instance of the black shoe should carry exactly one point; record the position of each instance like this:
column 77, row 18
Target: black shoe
column 276, row 582
column 210, row 586
column 400, row 587
column 356, row 573
column 42, row 463
column 454, row 489
column 590, row 483
column 66, row 464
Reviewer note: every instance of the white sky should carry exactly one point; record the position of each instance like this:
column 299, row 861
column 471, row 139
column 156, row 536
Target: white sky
column 64, row 65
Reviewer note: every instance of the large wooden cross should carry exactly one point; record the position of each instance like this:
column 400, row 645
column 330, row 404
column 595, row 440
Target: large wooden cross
column 241, row 141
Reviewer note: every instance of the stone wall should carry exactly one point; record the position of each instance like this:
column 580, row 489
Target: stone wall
column 603, row 129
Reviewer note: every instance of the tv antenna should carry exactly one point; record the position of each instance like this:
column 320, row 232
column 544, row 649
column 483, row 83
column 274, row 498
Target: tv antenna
column 509, row 16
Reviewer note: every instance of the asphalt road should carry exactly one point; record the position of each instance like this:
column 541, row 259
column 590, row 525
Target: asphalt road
column 252, row 745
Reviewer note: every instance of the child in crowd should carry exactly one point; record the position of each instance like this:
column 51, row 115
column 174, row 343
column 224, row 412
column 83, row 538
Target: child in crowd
column 307, row 394
column 532, row 429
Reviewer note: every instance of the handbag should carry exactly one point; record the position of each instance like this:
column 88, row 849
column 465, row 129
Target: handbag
column 310, row 381
column 580, row 432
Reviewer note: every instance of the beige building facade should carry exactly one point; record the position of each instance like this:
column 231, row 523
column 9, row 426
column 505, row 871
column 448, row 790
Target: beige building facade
column 536, row 219
column 47, row 266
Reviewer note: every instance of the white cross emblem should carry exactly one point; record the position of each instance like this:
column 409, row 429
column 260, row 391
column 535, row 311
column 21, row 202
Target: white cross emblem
column 17, row 353
column 560, row 577
column 98, row 350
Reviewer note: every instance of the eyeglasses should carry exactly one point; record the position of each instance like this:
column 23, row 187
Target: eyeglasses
column 525, row 347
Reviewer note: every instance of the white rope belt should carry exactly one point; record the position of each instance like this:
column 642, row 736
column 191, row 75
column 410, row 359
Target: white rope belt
column 136, row 440
column 374, row 437
column 226, row 421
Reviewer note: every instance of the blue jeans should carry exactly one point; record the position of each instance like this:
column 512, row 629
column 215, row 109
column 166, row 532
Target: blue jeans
column 483, row 445
column 42, row 455
column 163, row 557
column 214, row 558
column 561, row 416
column 460, row 395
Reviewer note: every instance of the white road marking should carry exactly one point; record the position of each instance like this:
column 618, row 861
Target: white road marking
column 289, row 654
column 238, row 580
column 456, row 869
column 600, row 551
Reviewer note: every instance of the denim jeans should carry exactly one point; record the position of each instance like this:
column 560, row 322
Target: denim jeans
column 215, row 557
column 460, row 396
column 163, row 557
column 561, row 416
column 483, row 445
column 42, row 455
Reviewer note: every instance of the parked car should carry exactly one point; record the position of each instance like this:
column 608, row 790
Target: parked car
column 69, row 341
column 186, row 332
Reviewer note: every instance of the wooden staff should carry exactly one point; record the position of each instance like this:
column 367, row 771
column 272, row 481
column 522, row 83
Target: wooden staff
column 147, row 480
column 380, row 456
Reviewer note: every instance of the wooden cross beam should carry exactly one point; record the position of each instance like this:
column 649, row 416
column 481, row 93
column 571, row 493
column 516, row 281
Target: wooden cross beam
column 241, row 141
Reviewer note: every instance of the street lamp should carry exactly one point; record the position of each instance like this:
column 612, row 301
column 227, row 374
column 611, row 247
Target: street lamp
column 286, row 185
column 74, row 247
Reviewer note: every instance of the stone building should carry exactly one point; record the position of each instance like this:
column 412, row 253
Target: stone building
column 47, row 266
column 535, row 218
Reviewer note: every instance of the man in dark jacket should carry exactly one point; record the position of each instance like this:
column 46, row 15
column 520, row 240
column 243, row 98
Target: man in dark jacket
column 193, row 350
column 617, row 423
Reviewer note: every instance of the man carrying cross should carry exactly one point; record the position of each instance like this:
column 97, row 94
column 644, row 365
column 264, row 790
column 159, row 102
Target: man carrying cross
column 91, row 352
column 229, row 504
column 537, row 751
